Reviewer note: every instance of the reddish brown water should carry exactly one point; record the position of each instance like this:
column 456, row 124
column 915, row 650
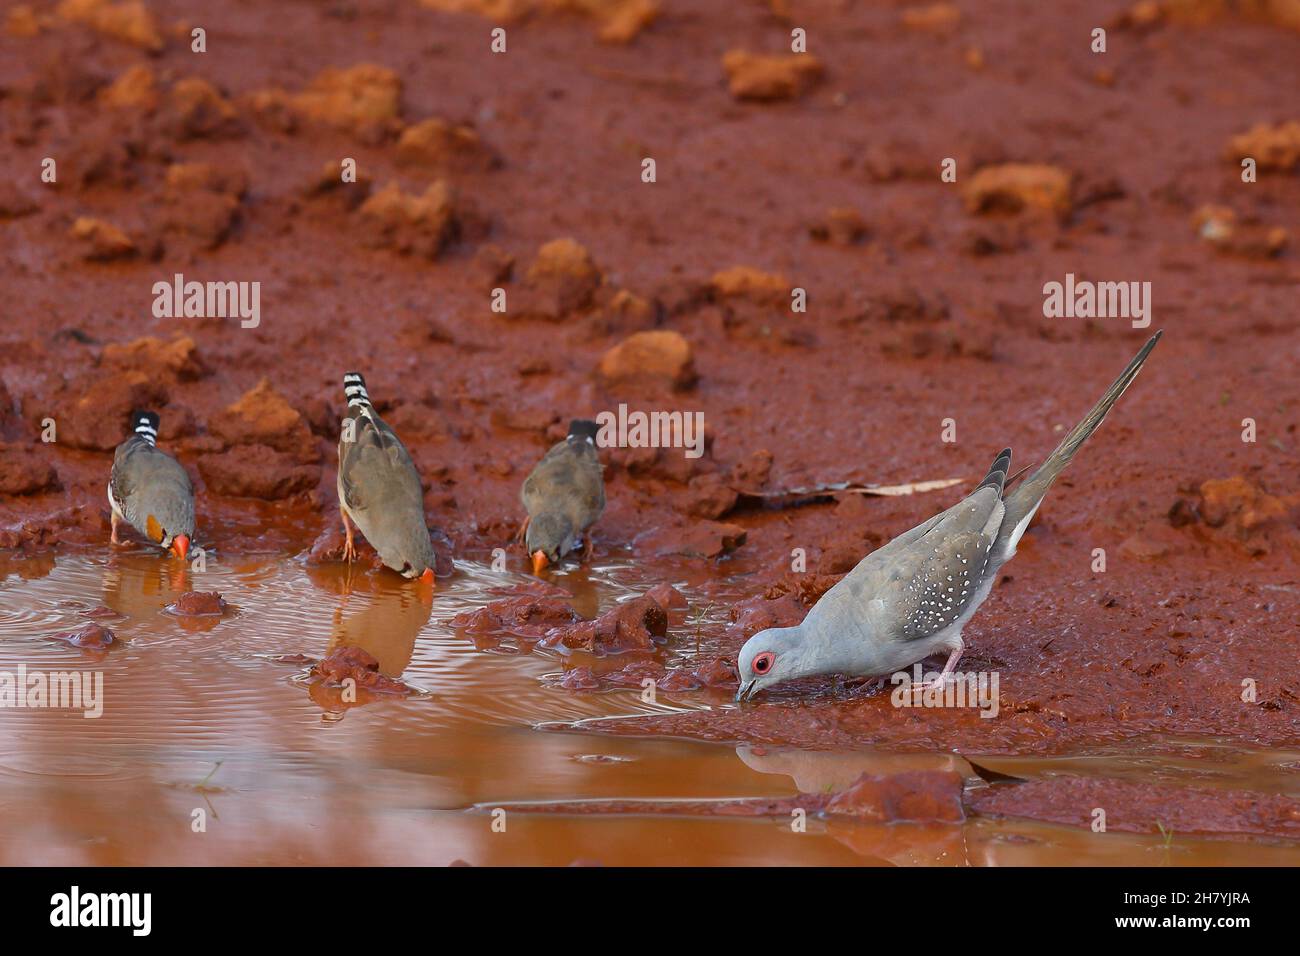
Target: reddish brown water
column 200, row 715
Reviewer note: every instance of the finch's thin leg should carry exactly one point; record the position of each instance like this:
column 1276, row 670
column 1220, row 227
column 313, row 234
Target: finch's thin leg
column 349, row 547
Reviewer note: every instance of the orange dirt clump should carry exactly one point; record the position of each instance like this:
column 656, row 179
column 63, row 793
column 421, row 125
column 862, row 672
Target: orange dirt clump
column 763, row 78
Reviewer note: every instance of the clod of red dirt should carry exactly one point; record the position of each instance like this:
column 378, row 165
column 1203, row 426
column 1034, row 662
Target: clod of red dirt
column 755, row 76
column 264, row 416
column 699, row 539
column 10, row 423
column 22, row 22
column 527, row 617
column 1223, row 229
column 256, row 471
column 1272, row 145
column 635, row 625
column 1148, row 13
column 562, row 280
column 99, row 241
column 135, row 89
column 203, row 201
column 667, row 597
column 1144, row 807
column 438, row 145
column 364, row 99
column 91, row 410
column 411, row 224
column 198, row 604
column 195, row 109
column 708, row 496
column 1239, row 512
column 658, row 357
column 752, row 471
column 912, row 795
column 809, row 588
column 24, row 472
column 841, row 226
column 361, row 667
column 128, row 20
column 329, row 183
column 1016, row 187
column 92, row 636
column 619, row 21
column 934, row 18
column 176, row 361
column 746, row 282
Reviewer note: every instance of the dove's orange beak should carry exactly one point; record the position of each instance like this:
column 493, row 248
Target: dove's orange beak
column 180, row 546
column 539, row 561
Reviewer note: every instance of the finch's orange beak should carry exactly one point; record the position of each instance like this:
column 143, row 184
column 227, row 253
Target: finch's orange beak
column 180, row 546
column 427, row 576
column 539, row 561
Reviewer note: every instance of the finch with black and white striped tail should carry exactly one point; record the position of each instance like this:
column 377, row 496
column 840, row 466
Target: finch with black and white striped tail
column 379, row 488
column 149, row 490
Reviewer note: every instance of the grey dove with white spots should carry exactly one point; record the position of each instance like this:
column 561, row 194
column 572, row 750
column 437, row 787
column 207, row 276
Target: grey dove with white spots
column 911, row 598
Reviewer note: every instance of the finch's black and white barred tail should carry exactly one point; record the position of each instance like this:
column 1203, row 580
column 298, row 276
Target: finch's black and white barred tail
column 354, row 387
column 583, row 428
column 145, row 424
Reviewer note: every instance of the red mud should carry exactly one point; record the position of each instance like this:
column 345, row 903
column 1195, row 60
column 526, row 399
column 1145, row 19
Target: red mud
column 198, row 604
column 924, row 300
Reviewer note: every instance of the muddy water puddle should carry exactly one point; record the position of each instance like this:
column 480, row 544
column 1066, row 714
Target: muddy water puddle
column 214, row 747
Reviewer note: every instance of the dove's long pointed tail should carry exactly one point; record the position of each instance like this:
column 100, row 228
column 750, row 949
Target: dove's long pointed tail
column 1024, row 501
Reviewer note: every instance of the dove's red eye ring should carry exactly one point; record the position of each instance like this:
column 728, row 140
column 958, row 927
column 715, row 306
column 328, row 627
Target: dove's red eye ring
column 763, row 662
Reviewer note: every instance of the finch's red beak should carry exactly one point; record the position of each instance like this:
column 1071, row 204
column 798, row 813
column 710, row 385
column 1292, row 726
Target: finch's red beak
column 539, row 561
column 180, row 545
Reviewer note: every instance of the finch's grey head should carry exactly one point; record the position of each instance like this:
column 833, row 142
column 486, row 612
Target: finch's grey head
column 770, row 657
column 549, row 538
column 416, row 551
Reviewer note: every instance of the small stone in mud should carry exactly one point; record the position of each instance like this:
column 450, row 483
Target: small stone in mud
column 198, row 604
column 842, row 226
column 708, row 496
column 700, row 539
column 1016, row 187
column 528, row 617
column 753, row 76
column 361, row 667
column 439, row 145
column 661, row 356
column 89, row 636
column 127, row 20
column 263, row 416
column 177, row 360
column 408, row 223
column 136, row 88
column 667, row 596
column 637, row 624
column 195, row 109
column 1272, row 146
column 100, row 241
column 562, row 280
column 1233, row 235
column 750, row 283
